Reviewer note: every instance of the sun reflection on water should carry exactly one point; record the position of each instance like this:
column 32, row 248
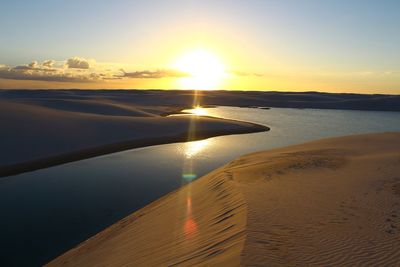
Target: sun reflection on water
column 195, row 147
column 191, row 150
column 197, row 111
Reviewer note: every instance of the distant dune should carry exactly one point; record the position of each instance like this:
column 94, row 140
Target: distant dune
column 179, row 98
column 333, row 202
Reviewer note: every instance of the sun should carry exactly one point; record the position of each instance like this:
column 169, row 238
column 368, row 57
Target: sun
column 204, row 68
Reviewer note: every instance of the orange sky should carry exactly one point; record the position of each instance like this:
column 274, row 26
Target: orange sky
column 304, row 45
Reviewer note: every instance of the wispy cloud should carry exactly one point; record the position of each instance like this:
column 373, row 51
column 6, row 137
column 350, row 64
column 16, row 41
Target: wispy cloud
column 242, row 73
column 157, row 74
column 362, row 73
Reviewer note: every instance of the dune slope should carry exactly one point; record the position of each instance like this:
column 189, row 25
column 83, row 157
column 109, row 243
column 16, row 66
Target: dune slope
column 326, row 203
column 333, row 202
column 203, row 223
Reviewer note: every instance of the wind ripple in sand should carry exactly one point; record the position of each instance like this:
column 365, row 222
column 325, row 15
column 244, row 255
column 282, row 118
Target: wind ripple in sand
column 343, row 212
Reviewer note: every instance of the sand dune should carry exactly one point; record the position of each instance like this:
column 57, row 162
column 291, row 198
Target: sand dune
column 333, row 202
column 42, row 132
column 327, row 203
column 174, row 98
column 42, row 128
column 200, row 224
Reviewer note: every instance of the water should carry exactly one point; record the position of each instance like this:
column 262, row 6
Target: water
column 46, row 212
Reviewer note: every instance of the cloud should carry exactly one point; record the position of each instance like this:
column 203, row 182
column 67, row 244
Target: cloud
column 146, row 74
column 31, row 66
column 48, row 63
column 39, row 74
column 34, row 66
column 78, row 69
column 358, row 74
column 392, row 72
column 46, row 72
column 242, row 73
column 77, row 63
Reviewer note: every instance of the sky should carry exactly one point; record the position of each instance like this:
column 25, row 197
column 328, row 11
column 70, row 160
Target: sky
column 280, row 45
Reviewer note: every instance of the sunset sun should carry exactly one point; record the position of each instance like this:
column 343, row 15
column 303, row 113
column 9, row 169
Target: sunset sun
column 204, row 68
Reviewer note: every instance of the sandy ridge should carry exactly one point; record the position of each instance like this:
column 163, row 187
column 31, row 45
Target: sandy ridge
column 333, row 202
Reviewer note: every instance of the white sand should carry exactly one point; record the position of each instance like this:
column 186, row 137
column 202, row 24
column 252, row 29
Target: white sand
column 334, row 202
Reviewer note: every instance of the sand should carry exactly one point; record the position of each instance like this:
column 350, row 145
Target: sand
column 42, row 131
column 332, row 202
column 43, row 128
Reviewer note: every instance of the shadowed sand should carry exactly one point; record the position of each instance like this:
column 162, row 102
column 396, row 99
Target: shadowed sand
column 329, row 202
column 40, row 133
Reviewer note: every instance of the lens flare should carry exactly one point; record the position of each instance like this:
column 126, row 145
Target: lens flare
column 190, row 227
column 189, row 176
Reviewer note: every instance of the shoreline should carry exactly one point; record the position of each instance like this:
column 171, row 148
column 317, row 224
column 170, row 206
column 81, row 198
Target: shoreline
column 15, row 169
column 327, row 202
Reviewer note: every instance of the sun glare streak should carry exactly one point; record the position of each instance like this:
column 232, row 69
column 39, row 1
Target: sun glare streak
column 191, row 150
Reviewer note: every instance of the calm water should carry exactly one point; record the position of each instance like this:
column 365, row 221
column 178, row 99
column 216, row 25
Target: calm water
column 46, row 212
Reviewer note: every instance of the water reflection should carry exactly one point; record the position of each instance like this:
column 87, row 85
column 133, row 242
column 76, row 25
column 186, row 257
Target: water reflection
column 193, row 148
column 49, row 211
column 198, row 111
column 190, row 151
